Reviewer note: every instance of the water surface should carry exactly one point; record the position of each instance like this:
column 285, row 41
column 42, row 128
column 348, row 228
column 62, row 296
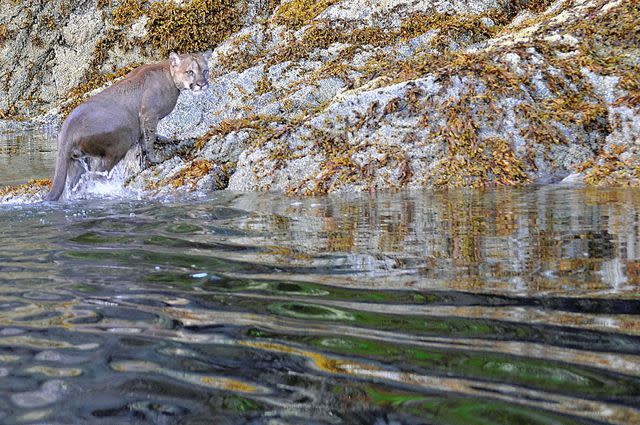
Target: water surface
column 495, row 307
column 26, row 155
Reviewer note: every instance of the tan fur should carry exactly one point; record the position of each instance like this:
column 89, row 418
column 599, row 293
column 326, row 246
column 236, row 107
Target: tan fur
column 108, row 124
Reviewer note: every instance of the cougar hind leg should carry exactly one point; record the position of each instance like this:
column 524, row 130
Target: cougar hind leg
column 107, row 163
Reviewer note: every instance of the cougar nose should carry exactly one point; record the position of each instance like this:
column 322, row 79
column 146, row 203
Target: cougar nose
column 199, row 86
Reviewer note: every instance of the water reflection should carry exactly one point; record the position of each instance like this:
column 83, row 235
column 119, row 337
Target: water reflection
column 506, row 306
column 26, row 155
column 519, row 241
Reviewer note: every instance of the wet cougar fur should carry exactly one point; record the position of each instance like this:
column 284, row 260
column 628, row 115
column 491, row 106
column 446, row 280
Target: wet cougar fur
column 108, row 124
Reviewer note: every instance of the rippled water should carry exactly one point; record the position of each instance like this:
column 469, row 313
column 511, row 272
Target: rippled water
column 498, row 307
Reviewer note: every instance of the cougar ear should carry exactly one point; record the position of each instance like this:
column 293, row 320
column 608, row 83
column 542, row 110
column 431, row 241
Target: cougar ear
column 175, row 59
column 207, row 55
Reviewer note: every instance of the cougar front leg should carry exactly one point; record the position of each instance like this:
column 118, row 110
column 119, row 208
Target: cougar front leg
column 149, row 129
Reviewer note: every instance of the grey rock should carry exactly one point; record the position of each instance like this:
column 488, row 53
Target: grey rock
column 226, row 149
column 336, row 117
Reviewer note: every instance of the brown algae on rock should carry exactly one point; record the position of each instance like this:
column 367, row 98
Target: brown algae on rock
column 32, row 188
column 324, row 96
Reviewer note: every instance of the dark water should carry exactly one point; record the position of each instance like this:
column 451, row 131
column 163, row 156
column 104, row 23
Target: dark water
column 498, row 307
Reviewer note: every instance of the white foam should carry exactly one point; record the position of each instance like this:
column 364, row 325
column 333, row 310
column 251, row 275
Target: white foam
column 96, row 184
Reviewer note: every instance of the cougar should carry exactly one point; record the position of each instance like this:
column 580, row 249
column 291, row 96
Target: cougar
column 108, row 124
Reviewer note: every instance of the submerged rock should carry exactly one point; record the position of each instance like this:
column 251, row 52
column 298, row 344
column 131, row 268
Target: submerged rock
column 349, row 95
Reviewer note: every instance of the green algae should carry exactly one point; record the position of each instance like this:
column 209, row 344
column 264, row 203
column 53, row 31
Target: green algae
column 457, row 410
column 539, row 374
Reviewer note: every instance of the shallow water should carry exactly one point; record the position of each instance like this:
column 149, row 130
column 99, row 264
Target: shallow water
column 26, row 155
column 505, row 307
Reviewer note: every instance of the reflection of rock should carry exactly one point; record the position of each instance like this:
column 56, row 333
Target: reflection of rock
column 526, row 242
column 613, row 273
column 49, row 392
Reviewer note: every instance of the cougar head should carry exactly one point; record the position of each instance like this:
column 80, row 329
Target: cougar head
column 190, row 72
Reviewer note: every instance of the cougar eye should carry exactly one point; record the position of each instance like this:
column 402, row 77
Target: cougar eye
column 190, row 73
column 206, row 74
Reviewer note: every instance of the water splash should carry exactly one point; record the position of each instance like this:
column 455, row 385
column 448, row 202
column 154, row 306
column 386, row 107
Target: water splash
column 92, row 184
column 102, row 184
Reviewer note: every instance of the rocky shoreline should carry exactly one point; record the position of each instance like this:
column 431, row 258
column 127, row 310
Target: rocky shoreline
column 358, row 95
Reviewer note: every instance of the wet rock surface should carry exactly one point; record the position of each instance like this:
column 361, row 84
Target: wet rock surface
column 340, row 96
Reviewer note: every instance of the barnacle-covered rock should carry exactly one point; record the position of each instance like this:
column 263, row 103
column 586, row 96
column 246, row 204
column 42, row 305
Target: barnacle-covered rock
column 495, row 94
column 326, row 96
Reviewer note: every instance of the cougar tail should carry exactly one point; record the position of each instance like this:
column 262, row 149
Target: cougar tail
column 60, row 178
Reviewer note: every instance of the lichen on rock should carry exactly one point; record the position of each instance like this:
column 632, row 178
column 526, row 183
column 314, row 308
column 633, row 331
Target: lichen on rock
column 354, row 95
